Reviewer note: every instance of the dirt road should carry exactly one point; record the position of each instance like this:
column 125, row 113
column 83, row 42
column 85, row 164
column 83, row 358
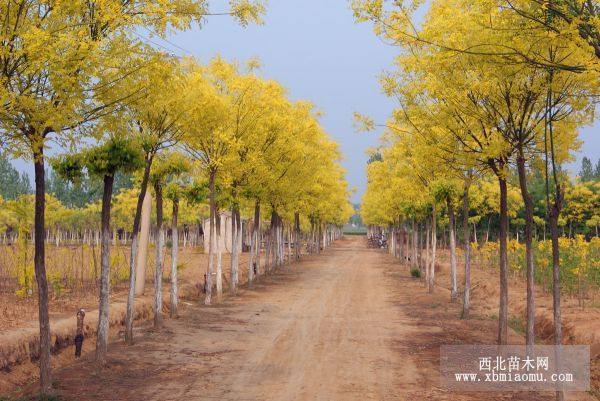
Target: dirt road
column 349, row 324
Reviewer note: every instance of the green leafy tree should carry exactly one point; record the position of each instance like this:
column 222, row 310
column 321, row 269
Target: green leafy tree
column 587, row 172
column 103, row 161
column 12, row 184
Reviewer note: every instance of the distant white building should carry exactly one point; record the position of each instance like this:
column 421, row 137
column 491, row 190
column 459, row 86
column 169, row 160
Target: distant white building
column 224, row 238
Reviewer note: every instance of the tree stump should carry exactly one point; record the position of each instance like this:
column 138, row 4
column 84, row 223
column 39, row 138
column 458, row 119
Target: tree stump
column 79, row 335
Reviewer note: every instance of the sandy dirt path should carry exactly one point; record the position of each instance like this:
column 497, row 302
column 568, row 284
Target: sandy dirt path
column 349, row 324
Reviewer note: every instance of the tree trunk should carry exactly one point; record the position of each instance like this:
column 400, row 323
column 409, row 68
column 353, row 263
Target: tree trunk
column 452, row 229
column 40, row 270
column 133, row 253
column 571, row 229
column 530, row 332
column 405, row 244
column 427, row 248
column 502, row 238
column 272, row 259
column 319, row 237
column 257, row 235
column 544, row 232
column 277, row 248
column 392, row 240
column 396, row 242
column 281, row 241
column 268, row 246
column 415, row 240
column 234, row 251
column 399, row 243
column 144, row 241
column 555, row 212
column 289, row 244
column 431, row 282
column 420, row 247
column 467, row 245
column 174, row 251
column 158, row 272
column 211, row 241
column 219, row 274
column 239, row 245
column 251, row 257
column 277, row 244
column 313, row 237
column 274, row 243
column 285, row 237
column 253, row 245
column 297, row 235
column 554, row 215
column 103, row 322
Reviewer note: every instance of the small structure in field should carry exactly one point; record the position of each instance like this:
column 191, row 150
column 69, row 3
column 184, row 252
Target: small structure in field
column 224, row 237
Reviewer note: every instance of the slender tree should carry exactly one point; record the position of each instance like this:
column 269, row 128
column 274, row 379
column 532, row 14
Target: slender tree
column 116, row 154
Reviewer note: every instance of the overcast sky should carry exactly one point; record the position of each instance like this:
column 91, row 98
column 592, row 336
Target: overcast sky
column 314, row 48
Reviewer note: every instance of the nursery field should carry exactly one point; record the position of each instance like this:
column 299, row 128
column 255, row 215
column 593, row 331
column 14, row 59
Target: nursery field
column 348, row 324
column 579, row 265
column 580, row 310
column 74, row 282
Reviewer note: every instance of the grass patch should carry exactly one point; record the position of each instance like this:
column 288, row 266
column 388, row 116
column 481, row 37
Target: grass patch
column 416, row 273
column 357, row 232
column 517, row 324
